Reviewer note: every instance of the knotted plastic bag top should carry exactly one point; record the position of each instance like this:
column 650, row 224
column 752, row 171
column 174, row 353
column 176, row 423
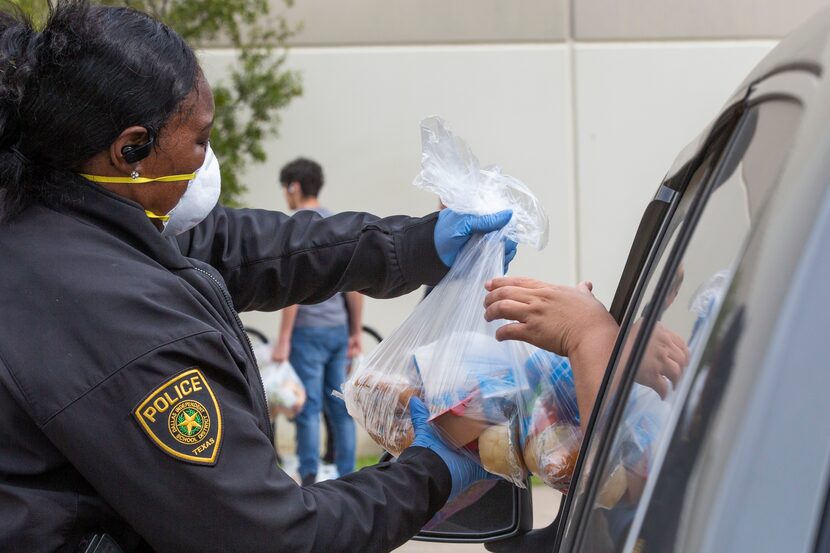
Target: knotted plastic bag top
column 451, row 170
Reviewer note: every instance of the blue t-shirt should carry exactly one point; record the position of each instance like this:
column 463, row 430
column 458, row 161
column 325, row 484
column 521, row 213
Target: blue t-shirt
column 329, row 313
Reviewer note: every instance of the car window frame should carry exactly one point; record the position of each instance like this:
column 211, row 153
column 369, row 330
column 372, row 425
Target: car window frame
column 638, row 269
column 719, row 172
column 727, row 319
column 671, row 192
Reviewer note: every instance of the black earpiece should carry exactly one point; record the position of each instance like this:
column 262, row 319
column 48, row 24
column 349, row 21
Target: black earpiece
column 134, row 154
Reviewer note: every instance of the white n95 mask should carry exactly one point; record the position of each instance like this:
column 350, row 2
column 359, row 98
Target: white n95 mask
column 198, row 200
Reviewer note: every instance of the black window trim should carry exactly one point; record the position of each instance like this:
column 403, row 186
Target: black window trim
column 713, row 178
column 741, row 141
column 720, row 138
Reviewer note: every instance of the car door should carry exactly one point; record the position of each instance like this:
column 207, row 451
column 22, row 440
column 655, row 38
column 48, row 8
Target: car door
column 690, row 274
column 674, row 288
column 661, row 223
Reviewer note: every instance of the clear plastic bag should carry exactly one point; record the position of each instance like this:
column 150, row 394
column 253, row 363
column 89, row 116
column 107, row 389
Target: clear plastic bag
column 481, row 393
column 551, row 435
column 450, row 170
column 633, row 450
column 284, row 390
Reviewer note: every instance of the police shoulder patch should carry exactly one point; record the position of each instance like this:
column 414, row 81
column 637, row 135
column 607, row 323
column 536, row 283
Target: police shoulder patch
column 182, row 417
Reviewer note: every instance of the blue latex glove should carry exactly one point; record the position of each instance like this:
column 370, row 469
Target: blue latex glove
column 509, row 252
column 463, row 470
column 454, row 229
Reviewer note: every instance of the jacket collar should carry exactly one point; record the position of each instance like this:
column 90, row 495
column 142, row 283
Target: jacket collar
column 126, row 220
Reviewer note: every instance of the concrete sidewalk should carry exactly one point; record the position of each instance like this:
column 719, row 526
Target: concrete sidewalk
column 545, row 507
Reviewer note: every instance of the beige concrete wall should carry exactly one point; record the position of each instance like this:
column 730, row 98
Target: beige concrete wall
column 360, row 115
column 688, row 19
column 385, row 22
column 638, row 105
column 328, row 22
column 586, row 102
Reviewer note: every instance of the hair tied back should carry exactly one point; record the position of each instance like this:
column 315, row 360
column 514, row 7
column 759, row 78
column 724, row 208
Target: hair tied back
column 19, row 155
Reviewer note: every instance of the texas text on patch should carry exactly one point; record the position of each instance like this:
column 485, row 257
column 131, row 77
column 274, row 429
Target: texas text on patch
column 182, row 418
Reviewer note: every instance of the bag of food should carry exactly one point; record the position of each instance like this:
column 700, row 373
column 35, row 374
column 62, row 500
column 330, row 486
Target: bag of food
column 493, row 399
column 284, row 390
column 551, row 436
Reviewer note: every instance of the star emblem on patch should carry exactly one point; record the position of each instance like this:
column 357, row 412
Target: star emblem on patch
column 182, row 418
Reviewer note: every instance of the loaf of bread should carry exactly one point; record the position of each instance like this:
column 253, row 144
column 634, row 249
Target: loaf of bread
column 551, row 455
column 613, row 488
column 499, row 453
column 375, row 389
column 397, row 438
column 380, row 404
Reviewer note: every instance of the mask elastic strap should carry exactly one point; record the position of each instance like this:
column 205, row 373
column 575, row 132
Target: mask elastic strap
column 138, row 180
column 152, row 215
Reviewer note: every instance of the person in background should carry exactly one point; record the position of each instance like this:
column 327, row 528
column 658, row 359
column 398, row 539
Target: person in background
column 319, row 340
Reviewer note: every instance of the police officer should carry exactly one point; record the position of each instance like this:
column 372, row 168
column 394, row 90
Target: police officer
column 130, row 402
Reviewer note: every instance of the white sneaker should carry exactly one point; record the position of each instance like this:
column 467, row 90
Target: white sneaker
column 327, row 472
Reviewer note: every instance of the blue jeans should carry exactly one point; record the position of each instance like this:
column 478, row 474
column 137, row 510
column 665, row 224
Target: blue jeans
column 319, row 357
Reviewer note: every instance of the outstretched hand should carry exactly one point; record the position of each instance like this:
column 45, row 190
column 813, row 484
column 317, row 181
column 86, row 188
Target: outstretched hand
column 565, row 320
column 557, row 318
column 664, row 359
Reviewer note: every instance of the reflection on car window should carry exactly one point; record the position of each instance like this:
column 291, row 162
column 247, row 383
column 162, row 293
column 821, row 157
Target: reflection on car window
column 685, row 309
column 657, row 524
column 689, row 298
column 614, row 480
column 692, row 299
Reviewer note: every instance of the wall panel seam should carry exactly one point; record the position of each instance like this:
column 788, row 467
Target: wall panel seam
column 573, row 120
column 497, row 46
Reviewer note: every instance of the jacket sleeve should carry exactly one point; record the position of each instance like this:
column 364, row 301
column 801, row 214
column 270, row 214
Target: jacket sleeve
column 243, row 502
column 270, row 260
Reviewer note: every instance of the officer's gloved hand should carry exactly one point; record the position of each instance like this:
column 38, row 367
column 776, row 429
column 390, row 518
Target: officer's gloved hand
column 454, row 229
column 463, row 470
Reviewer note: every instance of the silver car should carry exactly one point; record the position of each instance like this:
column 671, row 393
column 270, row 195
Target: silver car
column 732, row 255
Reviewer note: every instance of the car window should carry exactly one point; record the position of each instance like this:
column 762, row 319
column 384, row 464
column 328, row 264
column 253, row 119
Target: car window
column 601, row 427
column 667, row 332
column 593, row 472
column 686, row 307
column 657, row 525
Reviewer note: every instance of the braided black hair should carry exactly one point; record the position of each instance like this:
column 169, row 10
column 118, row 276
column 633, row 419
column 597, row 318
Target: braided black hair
column 68, row 92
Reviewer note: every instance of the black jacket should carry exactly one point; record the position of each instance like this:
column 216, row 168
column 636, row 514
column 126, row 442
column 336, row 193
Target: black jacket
column 130, row 401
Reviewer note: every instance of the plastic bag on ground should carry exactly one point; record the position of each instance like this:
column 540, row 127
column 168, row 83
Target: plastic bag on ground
column 493, row 399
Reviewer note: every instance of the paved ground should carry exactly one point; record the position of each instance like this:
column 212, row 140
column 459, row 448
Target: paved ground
column 545, row 507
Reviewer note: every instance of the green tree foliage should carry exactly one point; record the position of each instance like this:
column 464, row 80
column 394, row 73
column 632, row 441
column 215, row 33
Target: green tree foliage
column 247, row 104
column 35, row 8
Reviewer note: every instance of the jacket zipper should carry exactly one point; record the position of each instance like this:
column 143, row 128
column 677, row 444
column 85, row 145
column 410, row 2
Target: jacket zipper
column 241, row 328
